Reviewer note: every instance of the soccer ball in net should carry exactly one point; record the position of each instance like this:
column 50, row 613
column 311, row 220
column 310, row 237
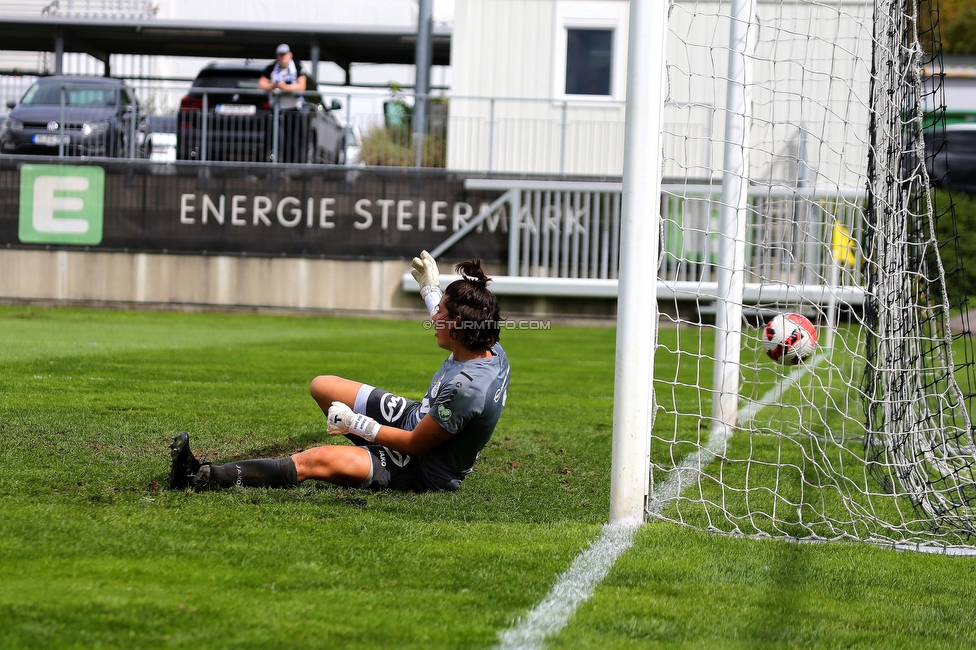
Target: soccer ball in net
column 789, row 338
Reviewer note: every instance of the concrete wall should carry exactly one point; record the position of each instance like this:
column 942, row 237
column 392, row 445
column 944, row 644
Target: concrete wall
column 291, row 283
column 219, row 281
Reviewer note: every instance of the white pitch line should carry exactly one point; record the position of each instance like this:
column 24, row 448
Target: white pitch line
column 575, row 586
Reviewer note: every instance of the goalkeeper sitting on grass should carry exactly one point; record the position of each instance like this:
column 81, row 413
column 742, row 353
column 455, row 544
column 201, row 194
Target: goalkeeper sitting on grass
column 400, row 444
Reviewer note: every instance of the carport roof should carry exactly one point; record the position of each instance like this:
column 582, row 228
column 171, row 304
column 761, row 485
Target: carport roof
column 343, row 44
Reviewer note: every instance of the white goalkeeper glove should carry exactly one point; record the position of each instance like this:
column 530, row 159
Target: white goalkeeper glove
column 425, row 273
column 343, row 420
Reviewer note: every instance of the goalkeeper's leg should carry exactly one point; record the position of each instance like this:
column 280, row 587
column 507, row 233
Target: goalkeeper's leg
column 373, row 467
column 342, row 465
column 350, row 466
column 326, row 389
column 260, row 472
column 383, row 406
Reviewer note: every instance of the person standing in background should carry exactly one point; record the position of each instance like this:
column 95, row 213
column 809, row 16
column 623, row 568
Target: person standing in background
column 287, row 76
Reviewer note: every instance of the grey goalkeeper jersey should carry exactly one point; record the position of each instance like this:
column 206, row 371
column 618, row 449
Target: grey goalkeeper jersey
column 466, row 398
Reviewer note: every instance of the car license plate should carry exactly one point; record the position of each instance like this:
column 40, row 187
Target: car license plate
column 236, row 109
column 50, row 139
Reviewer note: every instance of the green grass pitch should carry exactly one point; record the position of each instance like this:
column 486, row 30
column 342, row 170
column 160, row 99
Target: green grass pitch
column 94, row 554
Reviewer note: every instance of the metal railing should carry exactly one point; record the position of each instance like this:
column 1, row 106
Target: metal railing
column 476, row 134
column 221, row 125
column 87, row 121
column 155, row 96
column 565, row 237
column 209, row 131
column 543, row 136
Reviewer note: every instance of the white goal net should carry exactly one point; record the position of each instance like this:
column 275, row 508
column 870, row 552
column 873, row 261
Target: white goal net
column 823, row 113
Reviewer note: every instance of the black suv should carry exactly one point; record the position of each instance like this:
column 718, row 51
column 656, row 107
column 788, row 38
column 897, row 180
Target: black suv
column 76, row 116
column 225, row 117
column 950, row 156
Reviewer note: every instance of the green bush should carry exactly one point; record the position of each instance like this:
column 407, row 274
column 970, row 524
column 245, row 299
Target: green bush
column 395, row 147
column 393, row 144
column 956, row 226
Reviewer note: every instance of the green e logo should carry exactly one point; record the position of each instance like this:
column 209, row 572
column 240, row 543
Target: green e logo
column 61, row 204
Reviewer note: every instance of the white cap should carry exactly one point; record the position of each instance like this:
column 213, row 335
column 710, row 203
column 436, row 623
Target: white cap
column 283, row 49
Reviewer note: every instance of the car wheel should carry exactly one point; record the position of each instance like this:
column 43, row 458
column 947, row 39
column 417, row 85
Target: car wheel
column 340, row 156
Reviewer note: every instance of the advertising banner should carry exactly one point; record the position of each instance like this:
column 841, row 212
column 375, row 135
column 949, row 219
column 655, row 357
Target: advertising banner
column 246, row 210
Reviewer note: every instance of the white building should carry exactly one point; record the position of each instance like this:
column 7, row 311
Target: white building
column 809, row 91
column 538, row 86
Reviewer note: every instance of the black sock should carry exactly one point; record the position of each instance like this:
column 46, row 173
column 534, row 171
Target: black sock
column 262, row 472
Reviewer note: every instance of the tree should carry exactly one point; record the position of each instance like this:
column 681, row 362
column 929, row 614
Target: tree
column 956, row 22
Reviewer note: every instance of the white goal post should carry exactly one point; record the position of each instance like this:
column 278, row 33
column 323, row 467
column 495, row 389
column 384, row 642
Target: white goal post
column 637, row 314
column 871, row 438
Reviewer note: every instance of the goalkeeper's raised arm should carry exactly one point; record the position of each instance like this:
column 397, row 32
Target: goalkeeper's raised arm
column 399, row 443
column 427, row 276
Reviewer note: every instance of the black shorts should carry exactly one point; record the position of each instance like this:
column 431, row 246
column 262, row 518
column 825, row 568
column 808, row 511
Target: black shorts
column 391, row 470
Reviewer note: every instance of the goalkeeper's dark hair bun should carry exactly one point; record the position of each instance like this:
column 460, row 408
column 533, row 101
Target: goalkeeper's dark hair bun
column 474, row 307
column 472, row 272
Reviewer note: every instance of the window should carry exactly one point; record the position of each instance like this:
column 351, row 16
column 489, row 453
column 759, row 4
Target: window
column 247, row 80
column 589, row 61
column 589, row 51
column 75, row 95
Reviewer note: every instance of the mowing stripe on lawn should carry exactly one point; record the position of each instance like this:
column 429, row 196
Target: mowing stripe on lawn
column 576, row 584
